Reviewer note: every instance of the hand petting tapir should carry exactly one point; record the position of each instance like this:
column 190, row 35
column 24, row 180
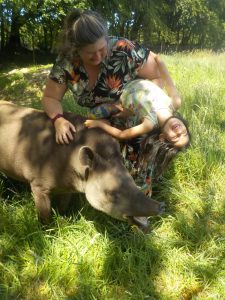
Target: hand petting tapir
column 90, row 164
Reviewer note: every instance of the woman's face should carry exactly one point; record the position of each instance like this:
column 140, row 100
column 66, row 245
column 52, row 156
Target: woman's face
column 175, row 132
column 94, row 54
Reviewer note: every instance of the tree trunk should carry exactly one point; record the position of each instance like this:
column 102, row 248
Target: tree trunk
column 2, row 28
column 122, row 29
column 14, row 38
column 135, row 28
column 45, row 38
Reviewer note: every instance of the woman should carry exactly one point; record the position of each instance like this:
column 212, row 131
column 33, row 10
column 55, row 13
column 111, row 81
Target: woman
column 148, row 110
column 97, row 68
column 94, row 67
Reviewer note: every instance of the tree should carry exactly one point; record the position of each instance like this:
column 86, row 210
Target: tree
column 196, row 22
column 35, row 25
column 2, row 21
column 16, row 14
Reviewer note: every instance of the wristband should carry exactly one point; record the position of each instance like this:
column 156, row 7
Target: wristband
column 56, row 117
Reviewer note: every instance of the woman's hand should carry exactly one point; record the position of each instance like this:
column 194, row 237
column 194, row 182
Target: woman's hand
column 53, row 93
column 176, row 100
column 64, row 131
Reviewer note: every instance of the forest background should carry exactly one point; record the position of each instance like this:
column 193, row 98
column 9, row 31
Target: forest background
column 161, row 25
column 87, row 255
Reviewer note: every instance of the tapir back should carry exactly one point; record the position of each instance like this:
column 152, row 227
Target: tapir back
column 91, row 163
column 28, row 149
column 26, row 140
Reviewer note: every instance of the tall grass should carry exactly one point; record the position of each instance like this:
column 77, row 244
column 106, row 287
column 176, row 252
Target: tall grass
column 89, row 255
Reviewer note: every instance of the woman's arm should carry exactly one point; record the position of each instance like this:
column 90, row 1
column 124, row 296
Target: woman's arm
column 150, row 70
column 155, row 70
column 169, row 84
column 52, row 96
column 145, row 127
column 53, row 93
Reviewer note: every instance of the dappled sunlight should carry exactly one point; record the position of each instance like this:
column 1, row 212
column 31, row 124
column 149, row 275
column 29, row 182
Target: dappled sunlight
column 24, row 86
column 137, row 256
column 89, row 254
column 22, row 70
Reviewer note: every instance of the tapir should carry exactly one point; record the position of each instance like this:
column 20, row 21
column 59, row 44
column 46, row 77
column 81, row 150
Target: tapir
column 90, row 164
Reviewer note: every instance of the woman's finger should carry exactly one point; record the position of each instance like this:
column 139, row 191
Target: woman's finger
column 70, row 135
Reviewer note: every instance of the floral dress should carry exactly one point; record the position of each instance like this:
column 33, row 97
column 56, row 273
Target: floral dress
column 124, row 59
column 121, row 65
column 144, row 99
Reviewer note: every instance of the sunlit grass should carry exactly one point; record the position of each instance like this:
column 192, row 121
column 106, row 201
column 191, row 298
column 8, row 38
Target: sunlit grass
column 89, row 255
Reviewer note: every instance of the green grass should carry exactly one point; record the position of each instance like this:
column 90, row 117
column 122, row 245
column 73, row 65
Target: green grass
column 89, row 255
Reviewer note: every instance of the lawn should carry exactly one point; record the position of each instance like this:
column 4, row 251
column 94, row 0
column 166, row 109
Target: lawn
column 90, row 256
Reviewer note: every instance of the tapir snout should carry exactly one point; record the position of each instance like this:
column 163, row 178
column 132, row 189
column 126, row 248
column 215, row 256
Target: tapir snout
column 91, row 164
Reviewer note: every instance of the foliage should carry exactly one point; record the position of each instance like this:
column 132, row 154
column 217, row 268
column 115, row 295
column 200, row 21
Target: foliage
column 198, row 21
column 88, row 255
column 35, row 25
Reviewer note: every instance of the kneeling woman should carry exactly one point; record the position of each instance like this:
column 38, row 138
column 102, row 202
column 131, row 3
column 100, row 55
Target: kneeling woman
column 150, row 114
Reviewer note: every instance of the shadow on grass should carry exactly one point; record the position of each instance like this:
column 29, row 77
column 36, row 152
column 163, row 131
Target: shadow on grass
column 19, row 230
column 204, row 227
column 130, row 265
column 222, row 125
column 25, row 59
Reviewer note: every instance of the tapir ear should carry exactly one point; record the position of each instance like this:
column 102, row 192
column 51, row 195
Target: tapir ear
column 86, row 156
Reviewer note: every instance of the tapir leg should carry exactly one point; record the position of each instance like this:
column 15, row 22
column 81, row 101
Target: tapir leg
column 42, row 202
column 63, row 202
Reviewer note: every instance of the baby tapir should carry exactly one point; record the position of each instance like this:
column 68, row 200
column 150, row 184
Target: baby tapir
column 90, row 164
